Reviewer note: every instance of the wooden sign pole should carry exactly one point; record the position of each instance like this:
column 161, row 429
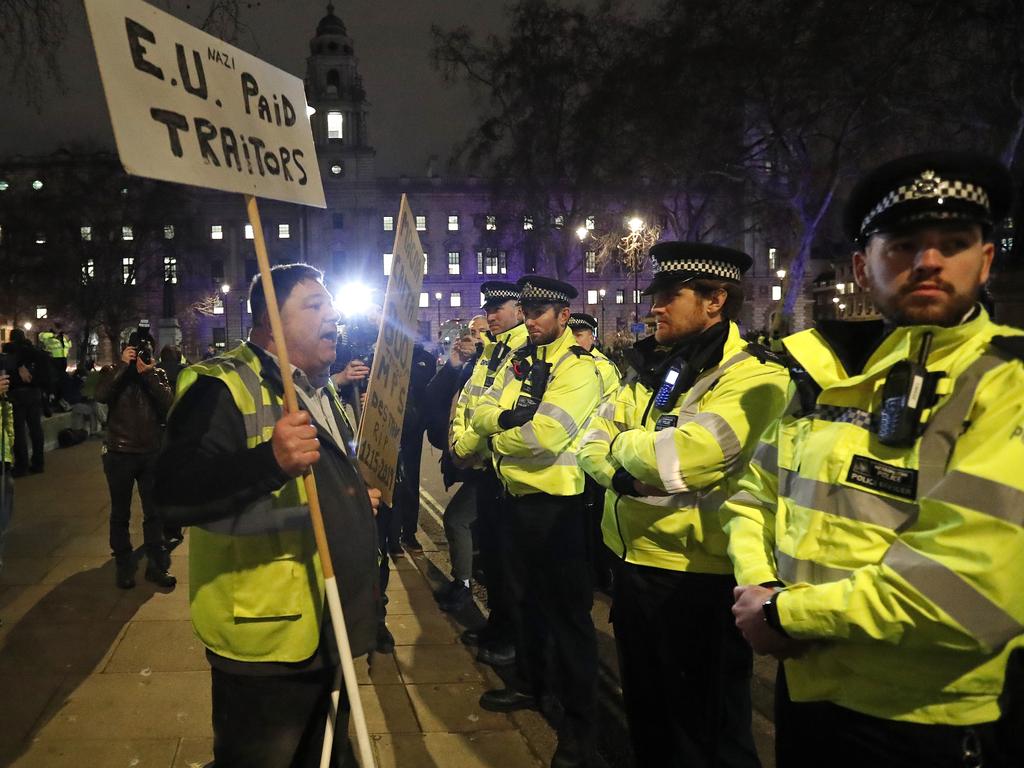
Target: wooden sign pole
column 291, row 405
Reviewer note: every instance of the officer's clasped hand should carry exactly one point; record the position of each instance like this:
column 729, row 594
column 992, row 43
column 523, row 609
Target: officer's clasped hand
column 295, row 444
column 515, row 418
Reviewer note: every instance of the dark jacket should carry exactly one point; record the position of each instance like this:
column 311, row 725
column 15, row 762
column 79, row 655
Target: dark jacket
column 36, row 361
column 439, row 399
column 138, row 407
column 205, row 473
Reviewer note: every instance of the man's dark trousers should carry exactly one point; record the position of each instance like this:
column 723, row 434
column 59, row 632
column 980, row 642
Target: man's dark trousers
column 685, row 669
column 276, row 721
column 490, row 498
column 123, row 471
column 548, row 578
column 27, row 403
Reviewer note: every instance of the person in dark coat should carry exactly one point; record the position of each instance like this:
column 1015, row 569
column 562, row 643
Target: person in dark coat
column 30, row 382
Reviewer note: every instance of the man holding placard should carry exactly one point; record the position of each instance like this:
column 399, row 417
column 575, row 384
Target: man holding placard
column 232, row 470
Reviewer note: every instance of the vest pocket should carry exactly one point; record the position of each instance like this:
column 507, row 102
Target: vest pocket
column 270, row 590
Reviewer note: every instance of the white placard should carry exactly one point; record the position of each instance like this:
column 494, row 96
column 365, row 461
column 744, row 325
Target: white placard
column 188, row 107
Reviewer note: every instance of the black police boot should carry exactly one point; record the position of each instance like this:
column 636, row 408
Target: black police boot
column 507, row 700
column 385, row 640
column 125, row 572
column 457, row 599
column 441, row 593
column 157, row 563
column 497, row 654
column 473, row 636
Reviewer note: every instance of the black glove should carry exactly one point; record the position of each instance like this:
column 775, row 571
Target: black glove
column 622, row 483
column 516, row 418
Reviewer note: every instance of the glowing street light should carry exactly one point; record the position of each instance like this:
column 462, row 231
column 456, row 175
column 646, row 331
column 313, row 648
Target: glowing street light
column 780, row 273
column 835, row 299
column 352, row 299
column 635, row 224
column 27, row 326
column 225, row 288
column 582, row 232
column 437, row 295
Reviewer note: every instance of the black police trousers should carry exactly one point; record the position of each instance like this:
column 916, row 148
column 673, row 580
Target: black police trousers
column 685, row 669
column 550, row 595
column 819, row 733
column 493, row 556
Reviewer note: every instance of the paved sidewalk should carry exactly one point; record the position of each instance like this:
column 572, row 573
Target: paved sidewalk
column 93, row 676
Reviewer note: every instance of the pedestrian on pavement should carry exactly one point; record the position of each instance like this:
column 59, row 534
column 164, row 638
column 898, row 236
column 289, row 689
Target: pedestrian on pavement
column 137, row 396
column 505, row 334
column 878, row 536
column 669, row 451
column 531, row 416
column 232, row 470
column 460, row 513
column 29, row 387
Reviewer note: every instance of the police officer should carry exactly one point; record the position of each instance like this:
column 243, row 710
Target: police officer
column 670, row 450
column 505, row 334
column 888, row 507
column 531, row 416
column 584, row 329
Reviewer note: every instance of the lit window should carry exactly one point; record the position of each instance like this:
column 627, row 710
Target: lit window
column 4, row 186
column 128, row 270
column 773, row 259
column 426, row 262
column 637, row 298
column 170, row 270
column 590, row 262
column 491, row 222
column 591, row 297
column 248, row 231
column 590, row 223
column 338, row 169
column 421, row 223
column 490, row 261
column 40, row 313
column 527, row 222
column 453, row 222
column 389, row 223
column 335, row 125
column 218, row 306
column 841, row 288
column 776, row 292
column 454, row 262
column 40, row 238
column 424, row 299
column 479, row 262
column 620, row 296
column 849, row 287
column 284, row 231
column 387, row 263
column 455, row 300
column 86, row 233
column 168, row 231
column 127, row 234
column 216, row 232
column 88, row 270
column 558, row 221
column 37, row 185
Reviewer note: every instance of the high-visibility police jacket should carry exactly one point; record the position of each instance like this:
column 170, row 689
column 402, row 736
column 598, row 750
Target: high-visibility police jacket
column 610, row 376
column 256, row 587
column 7, row 416
column 905, row 565
column 463, row 439
column 53, row 344
column 538, row 456
column 694, row 452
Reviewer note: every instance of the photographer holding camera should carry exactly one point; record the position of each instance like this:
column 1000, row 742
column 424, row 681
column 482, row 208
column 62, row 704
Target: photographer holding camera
column 138, row 397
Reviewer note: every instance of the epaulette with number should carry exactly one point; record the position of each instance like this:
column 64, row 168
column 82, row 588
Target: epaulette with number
column 1011, row 345
column 579, row 351
column 765, row 355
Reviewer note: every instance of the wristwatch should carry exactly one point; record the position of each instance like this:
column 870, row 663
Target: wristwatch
column 771, row 613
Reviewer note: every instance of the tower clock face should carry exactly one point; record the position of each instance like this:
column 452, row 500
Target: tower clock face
column 338, row 169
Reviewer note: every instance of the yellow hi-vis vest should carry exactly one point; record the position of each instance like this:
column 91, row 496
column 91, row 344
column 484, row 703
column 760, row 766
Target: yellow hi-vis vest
column 461, row 437
column 904, row 565
column 695, row 452
column 256, row 589
column 539, row 457
column 610, row 376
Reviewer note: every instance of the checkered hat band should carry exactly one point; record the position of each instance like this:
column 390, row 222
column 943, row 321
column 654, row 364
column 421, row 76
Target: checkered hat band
column 500, row 293
column 722, row 269
column 928, row 187
column 534, row 293
column 577, row 323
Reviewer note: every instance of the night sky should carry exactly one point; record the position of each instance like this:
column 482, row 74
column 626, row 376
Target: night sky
column 413, row 114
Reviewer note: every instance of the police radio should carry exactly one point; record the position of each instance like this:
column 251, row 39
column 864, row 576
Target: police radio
column 671, row 386
column 907, row 391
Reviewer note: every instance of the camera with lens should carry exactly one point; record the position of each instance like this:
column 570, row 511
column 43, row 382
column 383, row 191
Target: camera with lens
column 142, row 341
column 356, row 342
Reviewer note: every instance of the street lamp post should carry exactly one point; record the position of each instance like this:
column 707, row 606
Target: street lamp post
column 601, row 294
column 581, row 233
column 225, row 289
column 437, row 295
column 636, row 224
